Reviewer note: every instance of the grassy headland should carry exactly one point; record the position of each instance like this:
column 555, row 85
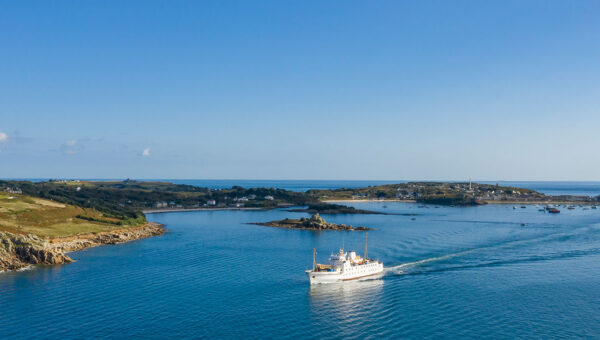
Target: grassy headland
column 22, row 214
column 35, row 230
column 125, row 201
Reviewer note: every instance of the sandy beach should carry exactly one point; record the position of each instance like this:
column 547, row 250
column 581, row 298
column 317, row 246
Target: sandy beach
column 160, row 211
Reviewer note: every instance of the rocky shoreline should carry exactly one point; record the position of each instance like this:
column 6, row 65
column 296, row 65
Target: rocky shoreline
column 19, row 251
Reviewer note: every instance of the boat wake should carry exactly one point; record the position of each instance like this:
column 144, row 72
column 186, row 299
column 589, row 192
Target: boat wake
column 403, row 268
column 510, row 252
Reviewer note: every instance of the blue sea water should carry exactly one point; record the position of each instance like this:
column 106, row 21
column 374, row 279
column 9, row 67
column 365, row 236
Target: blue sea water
column 471, row 272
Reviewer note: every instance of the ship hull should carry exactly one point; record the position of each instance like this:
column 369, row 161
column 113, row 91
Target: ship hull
column 316, row 277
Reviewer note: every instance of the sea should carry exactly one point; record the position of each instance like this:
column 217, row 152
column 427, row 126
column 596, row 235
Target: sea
column 485, row 272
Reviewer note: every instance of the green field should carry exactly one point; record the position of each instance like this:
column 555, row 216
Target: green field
column 23, row 214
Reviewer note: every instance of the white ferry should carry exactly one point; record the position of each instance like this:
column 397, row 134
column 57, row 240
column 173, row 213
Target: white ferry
column 344, row 266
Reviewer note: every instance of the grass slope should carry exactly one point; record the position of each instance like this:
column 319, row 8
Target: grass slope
column 22, row 214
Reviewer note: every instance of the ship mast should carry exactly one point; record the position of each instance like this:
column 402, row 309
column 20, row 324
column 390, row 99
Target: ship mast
column 314, row 258
column 366, row 238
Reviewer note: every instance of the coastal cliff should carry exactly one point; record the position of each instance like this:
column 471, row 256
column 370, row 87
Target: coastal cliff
column 116, row 236
column 18, row 251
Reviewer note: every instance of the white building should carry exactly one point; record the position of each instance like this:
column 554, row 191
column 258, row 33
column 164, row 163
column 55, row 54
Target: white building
column 160, row 204
column 13, row 190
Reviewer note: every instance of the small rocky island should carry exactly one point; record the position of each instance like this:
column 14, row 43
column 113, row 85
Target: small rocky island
column 316, row 222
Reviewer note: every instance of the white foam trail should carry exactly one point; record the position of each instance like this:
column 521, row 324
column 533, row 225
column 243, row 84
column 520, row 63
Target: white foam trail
column 28, row 267
column 399, row 269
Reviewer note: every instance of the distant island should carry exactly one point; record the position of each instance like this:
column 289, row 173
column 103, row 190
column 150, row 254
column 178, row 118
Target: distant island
column 447, row 193
column 316, row 222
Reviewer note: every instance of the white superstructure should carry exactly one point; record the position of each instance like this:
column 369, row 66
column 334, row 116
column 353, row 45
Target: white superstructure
column 344, row 266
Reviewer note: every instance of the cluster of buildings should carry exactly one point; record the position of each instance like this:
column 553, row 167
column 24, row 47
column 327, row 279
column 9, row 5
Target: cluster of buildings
column 415, row 191
column 64, row 181
column 237, row 202
column 250, row 197
column 165, row 204
column 161, row 204
column 11, row 190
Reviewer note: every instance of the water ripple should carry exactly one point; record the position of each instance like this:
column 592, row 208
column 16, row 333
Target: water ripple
column 477, row 273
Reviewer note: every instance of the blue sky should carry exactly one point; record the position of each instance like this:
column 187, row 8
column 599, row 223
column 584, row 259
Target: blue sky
column 300, row 89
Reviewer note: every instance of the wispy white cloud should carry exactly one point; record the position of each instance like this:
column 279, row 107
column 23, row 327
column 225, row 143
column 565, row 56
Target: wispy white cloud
column 3, row 139
column 71, row 147
column 146, row 152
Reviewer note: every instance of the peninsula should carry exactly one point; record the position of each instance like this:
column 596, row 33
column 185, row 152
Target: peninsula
column 447, row 193
column 316, row 222
column 40, row 231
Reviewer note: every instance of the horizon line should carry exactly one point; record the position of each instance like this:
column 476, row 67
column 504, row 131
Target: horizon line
column 287, row 179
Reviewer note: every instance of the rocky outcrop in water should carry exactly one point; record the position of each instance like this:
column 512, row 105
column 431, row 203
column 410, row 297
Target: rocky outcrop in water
column 316, row 222
column 18, row 251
